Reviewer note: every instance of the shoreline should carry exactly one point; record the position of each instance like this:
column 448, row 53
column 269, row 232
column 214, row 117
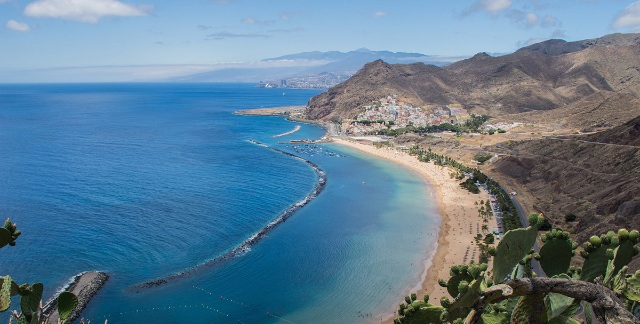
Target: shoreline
column 459, row 221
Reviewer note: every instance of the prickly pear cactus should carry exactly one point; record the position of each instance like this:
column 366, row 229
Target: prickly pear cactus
column 595, row 256
column 459, row 276
column 527, row 310
column 5, row 294
column 67, row 303
column 419, row 311
column 632, row 291
column 622, row 254
column 9, row 233
column 467, row 298
column 30, row 299
column 513, row 247
column 556, row 252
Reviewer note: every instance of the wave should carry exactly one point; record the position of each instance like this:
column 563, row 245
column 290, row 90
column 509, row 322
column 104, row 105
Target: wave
column 245, row 246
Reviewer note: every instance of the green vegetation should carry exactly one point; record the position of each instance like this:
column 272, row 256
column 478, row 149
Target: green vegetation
column 472, row 125
column 475, row 122
column 31, row 308
column 483, row 157
column 512, row 293
column 470, row 185
column 570, row 217
column 510, row 218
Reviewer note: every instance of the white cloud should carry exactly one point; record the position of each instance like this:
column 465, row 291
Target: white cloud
column 491, row 6
column 379, row 14
column 550, row 21
column 89, row 11
column 531, row 19
column 17, row 26
column 629, row 17
column 254, row 21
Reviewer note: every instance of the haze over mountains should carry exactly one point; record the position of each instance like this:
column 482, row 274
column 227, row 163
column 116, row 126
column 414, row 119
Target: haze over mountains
column 311, row 63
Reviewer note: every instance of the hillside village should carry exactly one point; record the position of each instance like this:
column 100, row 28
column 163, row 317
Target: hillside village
column 390, row 112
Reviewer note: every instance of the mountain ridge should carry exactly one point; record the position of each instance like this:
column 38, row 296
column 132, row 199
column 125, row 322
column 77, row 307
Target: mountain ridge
column 542, row 76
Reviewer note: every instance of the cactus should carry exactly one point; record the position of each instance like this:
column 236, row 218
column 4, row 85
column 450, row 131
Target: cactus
column 12, row 232
column 605, row 256
column 556, row 253
column 495, row 318
column 622, row 255
column 30, row 300
column 525, row 311
column 472, row 293
column 459, row 274
column 5, row 294
column 67, row 303
column 632, row 291
column 561, row 308
column 595, row 263
column 5, row 237
column 512, row 248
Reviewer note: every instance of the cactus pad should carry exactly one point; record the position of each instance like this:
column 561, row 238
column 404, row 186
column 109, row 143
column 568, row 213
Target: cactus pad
column 5, row 237
column 30, row 303
column 595, row 264
column 514, row 246
column 454, row 282
column 5, row 294
column 67, row 303
column 555, row 256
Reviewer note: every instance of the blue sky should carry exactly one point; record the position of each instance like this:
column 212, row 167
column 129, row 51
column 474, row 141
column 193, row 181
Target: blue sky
column 192, row 34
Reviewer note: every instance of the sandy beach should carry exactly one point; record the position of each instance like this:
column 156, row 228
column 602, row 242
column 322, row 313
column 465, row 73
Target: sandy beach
column 460, row 219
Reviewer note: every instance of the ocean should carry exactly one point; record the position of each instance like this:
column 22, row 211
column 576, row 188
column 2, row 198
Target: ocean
column 147, row 180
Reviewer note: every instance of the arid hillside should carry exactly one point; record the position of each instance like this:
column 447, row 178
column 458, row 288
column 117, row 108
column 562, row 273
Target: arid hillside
column 596, row 177
column 541, row 77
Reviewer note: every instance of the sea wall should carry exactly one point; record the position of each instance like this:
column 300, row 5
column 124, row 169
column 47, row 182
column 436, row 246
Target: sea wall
column 246, row 245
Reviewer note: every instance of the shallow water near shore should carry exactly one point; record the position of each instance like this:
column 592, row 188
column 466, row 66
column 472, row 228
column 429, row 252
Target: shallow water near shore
column 145, row 180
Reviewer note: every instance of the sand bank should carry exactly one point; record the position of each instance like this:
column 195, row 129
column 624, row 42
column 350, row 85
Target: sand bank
column 276, row 111
column 297, row 128
column 460, row 218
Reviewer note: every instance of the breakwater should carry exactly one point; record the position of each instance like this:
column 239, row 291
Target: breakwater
column 297, row 128
column 84, row 285
column 245, row 246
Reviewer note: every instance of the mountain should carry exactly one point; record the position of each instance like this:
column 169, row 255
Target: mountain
column 594, row 177
column 539, row 77
column 310, row 64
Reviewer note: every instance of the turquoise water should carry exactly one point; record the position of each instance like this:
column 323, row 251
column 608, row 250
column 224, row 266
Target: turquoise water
column 146, row 180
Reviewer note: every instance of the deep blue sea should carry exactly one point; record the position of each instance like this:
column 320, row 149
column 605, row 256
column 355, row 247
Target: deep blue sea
column 146, row 180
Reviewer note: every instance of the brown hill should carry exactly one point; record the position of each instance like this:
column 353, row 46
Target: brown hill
column 540, row 77
column 592, row 176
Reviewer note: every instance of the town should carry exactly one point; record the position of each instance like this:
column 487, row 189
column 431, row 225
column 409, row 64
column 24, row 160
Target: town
column 392, row 113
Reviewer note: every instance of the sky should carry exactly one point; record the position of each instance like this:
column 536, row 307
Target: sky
column 156, row 38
